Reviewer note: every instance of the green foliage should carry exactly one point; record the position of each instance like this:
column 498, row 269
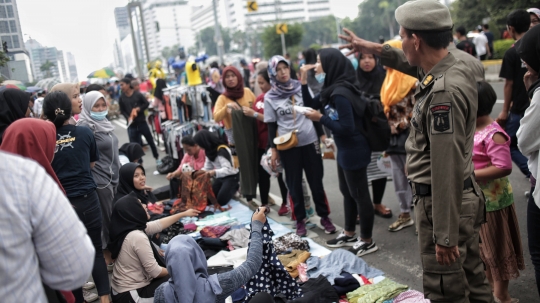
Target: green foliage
column 4, row 59
column 168, row 52
column 375, row 19
column 500, row 47
column 321, row 31
column 206, row 37
column 46, row 68
column 315, row 46
column 272, row 41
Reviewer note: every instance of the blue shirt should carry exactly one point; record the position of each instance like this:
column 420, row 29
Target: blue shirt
column 76, row 149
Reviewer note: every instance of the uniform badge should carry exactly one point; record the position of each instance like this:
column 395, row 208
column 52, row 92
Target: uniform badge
column 427, row 80
column 441, row 118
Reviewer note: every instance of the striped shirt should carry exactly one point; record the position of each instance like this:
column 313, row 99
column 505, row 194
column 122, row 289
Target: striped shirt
column 41, row 237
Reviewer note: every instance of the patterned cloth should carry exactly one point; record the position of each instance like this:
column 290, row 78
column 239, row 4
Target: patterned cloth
column 195, row 192
column 214, row 231
column 376, row 293
column 400, row 114
column 411, row 296
column 272, row 276
column 290, row 241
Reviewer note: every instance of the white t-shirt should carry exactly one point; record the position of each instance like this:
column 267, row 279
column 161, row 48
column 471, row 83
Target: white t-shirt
column 38, row 106
column 480, row 42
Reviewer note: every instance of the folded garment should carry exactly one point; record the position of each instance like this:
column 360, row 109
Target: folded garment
column 411, row 296
column 214, row 231
column 302, row 272
column 288, row 241
column 215, row 220
column 339, row 261
column 156, row 208
column 238, row 238
column 345, row 284
column 190, row 226
column 226, row 258
column 317, row 291
column 292, row 260
column 377, row 293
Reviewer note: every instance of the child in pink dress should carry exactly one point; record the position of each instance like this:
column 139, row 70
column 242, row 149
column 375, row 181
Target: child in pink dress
column 501, row 248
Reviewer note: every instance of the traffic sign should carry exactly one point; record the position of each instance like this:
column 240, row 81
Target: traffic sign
column 252, row 6
column 281, row 28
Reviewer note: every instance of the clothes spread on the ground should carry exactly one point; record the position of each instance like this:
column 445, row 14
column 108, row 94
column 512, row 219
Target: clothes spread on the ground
column 346, row 284
column 228, row 258
column 376, row 293
column 291, row 261
column 217, row 219
column 411, row 296
column 317, row 291
column 214, row 231
column 272, row 276
column 290, row 241
column 236, row 238
column 339, row 261
column 195, row 192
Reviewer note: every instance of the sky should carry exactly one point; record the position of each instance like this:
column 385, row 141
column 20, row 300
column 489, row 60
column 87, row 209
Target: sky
column 86, row 28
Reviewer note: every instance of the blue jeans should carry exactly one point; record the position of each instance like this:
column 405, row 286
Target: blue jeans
column 135, row 131
column 512, row 127
column 533, row 231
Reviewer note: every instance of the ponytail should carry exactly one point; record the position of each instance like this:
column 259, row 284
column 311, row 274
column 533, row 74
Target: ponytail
column 57, row 108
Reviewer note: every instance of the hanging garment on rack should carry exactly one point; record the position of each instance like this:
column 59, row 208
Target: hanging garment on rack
column 245, row 135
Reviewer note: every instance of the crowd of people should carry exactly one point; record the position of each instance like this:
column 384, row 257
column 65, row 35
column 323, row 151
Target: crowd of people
column 83, row 207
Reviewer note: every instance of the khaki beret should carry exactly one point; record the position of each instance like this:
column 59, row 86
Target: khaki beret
column 424, row 15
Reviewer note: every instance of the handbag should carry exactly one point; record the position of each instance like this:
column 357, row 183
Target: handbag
column 288, row 140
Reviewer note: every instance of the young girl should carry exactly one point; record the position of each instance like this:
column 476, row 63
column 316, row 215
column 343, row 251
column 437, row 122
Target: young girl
column 501, row 248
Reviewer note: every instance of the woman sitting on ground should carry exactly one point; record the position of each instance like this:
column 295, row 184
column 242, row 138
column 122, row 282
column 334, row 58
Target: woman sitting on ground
column 194, row 157
column 139, row 268
column 219, row 164
column 130, row 152
column 133, row 179
column 189, row 280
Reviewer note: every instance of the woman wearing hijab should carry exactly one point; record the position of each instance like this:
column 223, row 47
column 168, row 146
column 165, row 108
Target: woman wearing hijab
column 215, row 87
column 139, row 268
column 397, row 97
column 310, row 56
column 218, row 164
column 241, row 131
column 282, row 118
column 13, row 106
column 75, row 156
column 339, row 98
column 528, row 48
column 133, row 179
column 371, row 77
column 130, row 152
column 73, row 91
column 189, row 280
column 105, row 171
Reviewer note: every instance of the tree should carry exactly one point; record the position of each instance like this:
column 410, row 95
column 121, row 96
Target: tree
column 168, row 52
column 321, row 31
column 272, row 41
column 375, row 19
column 206, row 36
column 46, row 68
column 238, row 39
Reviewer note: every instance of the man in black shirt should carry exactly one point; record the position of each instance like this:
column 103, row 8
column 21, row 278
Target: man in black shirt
column 489, row 35
column 464, row 43
column 513, row 70
column 132, row 105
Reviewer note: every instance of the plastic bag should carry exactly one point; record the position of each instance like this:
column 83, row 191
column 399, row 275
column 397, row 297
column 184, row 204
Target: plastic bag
column 384, row 163
column 266, row 163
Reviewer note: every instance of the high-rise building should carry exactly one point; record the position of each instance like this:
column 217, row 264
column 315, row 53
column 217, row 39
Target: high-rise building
column 61, row 65
column 19, row 66
column 122, row 21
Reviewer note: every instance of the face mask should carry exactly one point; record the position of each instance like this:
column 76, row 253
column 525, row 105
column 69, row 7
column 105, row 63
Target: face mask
column 320, row 77
column 99, row 115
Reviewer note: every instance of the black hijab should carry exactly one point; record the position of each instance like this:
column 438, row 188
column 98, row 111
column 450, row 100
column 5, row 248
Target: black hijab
column 158, row 92
column 371, row 82
column 210, row 143
column 13, row 106
column 126, row 186
column 132, row 150
column 528, row 48
column 128, row 215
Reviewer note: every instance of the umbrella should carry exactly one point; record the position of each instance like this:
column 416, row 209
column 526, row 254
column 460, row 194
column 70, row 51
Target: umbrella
column 102, row 73
column 33, row 89
column 48, row 83
column 15, row 86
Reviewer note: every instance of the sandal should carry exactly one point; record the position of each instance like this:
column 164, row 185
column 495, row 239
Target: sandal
column 386, row 215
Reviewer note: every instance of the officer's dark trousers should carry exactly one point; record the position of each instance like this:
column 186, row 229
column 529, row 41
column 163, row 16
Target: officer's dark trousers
column 464, row 280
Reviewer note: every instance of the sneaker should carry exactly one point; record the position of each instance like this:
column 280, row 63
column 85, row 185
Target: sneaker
column 329, row 228
column 401, row 223
column 341, row 240
column 89, row 296
column 284, row 210
column 271, row 201
column 301, row 228
column 310, row 212
column 362, row 248
column 88, row 285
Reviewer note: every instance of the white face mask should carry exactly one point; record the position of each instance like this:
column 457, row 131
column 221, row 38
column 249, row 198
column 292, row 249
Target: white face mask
column 320, row 77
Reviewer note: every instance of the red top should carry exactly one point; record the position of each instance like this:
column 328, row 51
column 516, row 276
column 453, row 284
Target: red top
column 258, row 106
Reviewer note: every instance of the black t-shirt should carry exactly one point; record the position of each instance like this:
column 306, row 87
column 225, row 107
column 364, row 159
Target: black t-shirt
column 76, row 149
column 467, row 46
column 513, row 69
column 127, row 104
column 490, row 37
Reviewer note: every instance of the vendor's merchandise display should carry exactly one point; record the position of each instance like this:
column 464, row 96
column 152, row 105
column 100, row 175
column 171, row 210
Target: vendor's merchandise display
column 377, row 293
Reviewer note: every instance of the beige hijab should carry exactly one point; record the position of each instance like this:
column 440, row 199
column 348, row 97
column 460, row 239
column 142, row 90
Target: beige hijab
column 67, row 88
column 260, row 66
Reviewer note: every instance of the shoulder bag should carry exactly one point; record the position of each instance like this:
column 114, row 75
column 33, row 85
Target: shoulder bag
column 288, row 140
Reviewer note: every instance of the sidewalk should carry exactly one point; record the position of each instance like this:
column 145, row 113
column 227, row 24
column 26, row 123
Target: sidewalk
column 493, row 68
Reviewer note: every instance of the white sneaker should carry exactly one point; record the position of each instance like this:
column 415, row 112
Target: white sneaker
column 88, row 285
column 90, row 296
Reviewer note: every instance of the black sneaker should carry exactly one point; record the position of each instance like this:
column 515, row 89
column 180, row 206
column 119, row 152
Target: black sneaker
column 361, row 248
column 341, row 240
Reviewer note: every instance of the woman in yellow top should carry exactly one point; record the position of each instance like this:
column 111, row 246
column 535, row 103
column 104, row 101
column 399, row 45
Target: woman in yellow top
column 243, row 141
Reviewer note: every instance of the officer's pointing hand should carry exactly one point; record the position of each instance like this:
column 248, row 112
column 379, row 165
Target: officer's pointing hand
column 356, row 44
column 446, row 255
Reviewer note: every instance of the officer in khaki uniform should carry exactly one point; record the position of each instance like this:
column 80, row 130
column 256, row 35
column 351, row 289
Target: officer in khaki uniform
column 449, row 205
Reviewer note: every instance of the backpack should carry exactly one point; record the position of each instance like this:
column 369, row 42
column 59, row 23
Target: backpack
column 375, row 124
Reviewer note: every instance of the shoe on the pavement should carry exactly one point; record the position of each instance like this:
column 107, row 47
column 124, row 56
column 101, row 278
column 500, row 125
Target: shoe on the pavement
column 329, row 228
column 341, row 240
column 89, row 296
column 301, row 228
column 253, row 204
column 362, row 248
column 237, row 196
column 401, row 223
column 271, row 201
column 310, row 212
column 284, row 210
column 88, row 285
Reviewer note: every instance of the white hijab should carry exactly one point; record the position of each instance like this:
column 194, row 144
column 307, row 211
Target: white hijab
column 104, row 126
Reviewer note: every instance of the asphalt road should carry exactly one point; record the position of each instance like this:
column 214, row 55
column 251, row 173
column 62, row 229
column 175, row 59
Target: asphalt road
column 398, row 254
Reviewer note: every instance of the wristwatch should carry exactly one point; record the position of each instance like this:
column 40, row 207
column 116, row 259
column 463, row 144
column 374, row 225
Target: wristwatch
column 255, row 115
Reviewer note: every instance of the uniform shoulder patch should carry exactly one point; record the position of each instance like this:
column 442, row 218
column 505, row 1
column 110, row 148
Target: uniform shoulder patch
column 442, row 121
column 428, row 79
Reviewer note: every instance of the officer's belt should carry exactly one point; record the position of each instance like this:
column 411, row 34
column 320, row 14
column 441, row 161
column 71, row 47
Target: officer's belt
column 420, row 189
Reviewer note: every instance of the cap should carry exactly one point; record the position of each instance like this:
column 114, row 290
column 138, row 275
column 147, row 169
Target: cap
column 535, row 11
column 424, row 15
